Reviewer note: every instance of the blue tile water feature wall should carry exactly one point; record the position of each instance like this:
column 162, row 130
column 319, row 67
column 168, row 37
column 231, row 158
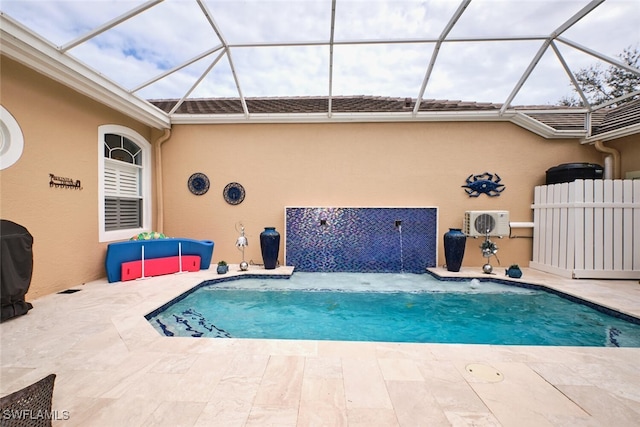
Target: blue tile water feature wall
column 368, row 240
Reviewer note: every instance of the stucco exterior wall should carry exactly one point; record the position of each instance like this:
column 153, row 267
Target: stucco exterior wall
column 60, row 129
column 354, row 164
column 629, row 148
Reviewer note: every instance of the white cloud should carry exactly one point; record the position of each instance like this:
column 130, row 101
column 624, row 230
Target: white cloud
column 272, row 20
column 391, row 19
column 386, row 70
column 278, row 71
column 512, row 18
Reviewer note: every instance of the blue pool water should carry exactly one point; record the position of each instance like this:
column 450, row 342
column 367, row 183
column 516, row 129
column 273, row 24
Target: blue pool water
column 389, row 308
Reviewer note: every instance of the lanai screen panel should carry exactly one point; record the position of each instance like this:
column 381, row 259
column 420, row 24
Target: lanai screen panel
column 473, row 50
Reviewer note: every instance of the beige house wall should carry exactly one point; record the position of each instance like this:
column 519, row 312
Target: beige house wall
column 60, row 129
column 349, row 164
column 354, row 164
column 629, row 148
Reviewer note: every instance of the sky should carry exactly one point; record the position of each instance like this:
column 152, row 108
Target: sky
column 174, row 31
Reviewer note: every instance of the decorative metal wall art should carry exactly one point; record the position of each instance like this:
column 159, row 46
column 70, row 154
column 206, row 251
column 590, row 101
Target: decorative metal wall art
column 233, row 193
column 61, row 182
column 484, row 184
column 198, row 183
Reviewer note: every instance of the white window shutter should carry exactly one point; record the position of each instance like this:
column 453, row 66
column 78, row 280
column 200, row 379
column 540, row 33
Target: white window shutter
column 122, row 204
column 110, row 179
column 122, row 213
column 121, row 179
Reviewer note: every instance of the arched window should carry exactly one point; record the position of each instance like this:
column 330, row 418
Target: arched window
column 125, row 183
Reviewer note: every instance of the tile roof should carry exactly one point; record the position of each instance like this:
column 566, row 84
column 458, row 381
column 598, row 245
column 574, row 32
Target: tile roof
column 567, row 120
column 616, row 118
column 339, row 104
column 602, row 120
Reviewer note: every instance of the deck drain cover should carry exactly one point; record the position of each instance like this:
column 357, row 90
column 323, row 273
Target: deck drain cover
column 484, row 372
column 69, row 291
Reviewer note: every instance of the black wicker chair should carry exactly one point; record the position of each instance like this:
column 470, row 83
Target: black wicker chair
column 29, row 407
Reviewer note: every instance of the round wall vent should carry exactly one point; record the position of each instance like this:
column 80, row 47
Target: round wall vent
column 11, row 139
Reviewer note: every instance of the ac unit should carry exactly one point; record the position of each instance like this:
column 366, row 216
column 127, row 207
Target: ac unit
column 486, row 223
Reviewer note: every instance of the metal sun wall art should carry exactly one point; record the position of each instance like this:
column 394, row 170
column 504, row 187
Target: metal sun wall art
column 484, row 183
column 61, row 182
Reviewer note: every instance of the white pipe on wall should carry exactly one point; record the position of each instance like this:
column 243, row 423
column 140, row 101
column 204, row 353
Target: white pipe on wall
column 159, row 201
column 614, row 170
column 521, row 224
column 608, row 167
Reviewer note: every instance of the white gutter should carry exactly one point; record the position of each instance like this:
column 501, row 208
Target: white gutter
column 473, row 116
column 514, row 117
column 29, row 49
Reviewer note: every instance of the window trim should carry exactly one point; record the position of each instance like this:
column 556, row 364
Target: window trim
column 146, row 193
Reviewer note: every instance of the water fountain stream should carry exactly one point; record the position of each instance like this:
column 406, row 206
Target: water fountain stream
column 399, row 227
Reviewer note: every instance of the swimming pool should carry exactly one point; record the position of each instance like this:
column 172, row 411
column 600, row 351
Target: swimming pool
column 388, row 308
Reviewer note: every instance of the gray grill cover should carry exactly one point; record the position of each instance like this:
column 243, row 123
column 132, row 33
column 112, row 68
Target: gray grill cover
column 16, row 268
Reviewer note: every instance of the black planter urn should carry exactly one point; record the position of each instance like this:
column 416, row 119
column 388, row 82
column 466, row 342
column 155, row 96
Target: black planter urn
column 454, row 244
column 270, row 245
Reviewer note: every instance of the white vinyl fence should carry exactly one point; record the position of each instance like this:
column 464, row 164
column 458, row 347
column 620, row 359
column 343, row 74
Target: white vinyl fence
column 588, row 229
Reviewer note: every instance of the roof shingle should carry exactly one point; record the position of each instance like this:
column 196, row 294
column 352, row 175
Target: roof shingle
column 602, row 120
column 339, row 104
